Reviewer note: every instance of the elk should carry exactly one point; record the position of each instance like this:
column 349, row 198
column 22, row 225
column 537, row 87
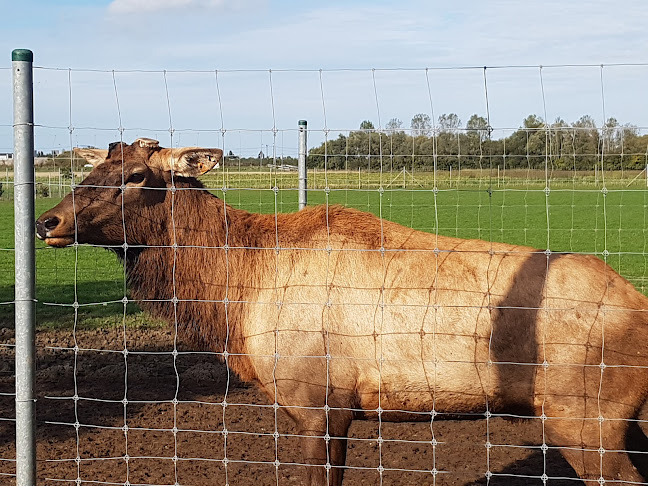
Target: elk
column 337, row 314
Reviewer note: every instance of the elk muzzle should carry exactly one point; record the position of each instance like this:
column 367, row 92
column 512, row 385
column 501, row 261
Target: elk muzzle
column 50, row 228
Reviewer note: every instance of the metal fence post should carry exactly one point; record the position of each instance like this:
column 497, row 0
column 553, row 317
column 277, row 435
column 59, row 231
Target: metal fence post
column 301, row 164
column 23, row 101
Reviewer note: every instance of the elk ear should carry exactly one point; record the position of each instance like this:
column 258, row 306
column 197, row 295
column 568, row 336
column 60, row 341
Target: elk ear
column 93, row 156
column 186, row 161
column 146, row 142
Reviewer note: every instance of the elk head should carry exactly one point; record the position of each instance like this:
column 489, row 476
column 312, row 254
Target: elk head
column 125, row 181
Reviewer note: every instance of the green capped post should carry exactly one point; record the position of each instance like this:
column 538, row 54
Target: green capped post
column 24, row 265
column 22, row 55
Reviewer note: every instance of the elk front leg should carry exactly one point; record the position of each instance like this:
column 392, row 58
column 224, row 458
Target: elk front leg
column 324, row 455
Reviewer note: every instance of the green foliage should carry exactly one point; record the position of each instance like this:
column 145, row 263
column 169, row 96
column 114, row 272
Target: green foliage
column 577, row 146
column 42, row 190
column 449, row 122
column 476, row 123
column 394, row 125
column 421, row 125
column 66, row 173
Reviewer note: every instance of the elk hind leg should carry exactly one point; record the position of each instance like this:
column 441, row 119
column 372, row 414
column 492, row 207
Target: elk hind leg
column 590, row 424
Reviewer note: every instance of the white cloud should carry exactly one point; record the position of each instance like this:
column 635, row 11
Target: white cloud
column 149, row 6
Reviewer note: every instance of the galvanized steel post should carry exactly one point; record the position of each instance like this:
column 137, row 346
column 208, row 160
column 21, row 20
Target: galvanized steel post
column 23, row 101
column 301, row 164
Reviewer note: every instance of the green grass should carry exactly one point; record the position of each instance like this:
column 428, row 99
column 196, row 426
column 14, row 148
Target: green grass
column 98, row 286
column 573, row 217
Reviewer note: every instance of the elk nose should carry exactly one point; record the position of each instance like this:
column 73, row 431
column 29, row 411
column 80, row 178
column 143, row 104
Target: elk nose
column 42, row 227
column 51, row 223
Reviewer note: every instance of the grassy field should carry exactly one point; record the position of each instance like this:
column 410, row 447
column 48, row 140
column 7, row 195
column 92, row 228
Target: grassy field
column 575, row 216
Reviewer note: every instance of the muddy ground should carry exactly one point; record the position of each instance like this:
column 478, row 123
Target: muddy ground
column 148, row 377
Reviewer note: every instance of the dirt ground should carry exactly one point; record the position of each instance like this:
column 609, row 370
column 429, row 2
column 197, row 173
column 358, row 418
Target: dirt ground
column 143, row 454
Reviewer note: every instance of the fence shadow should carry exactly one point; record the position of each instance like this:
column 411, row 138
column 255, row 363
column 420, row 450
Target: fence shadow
column 559, row 468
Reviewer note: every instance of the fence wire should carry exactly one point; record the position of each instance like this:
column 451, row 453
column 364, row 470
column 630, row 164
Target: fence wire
column 349, row 319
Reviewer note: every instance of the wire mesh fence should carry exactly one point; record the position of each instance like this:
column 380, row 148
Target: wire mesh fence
column 230, row 339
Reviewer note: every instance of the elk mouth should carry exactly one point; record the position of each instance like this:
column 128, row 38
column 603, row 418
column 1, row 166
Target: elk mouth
column 58, row 241
column 48, row 225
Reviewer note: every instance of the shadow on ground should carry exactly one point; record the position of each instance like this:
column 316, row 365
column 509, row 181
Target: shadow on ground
column 151, row 379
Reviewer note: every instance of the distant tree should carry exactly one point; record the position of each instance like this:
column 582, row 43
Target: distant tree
column 367, row 125
column 585, row 121
column 630, row 129
column 477, row 126
column 473, row 141
column 560, row 144
column 421, row 124
column 610, row 132
column 536, row 143
column 586, row 142
column 447, row 140
column 526, row 146
column 533, row 121
column 449, row 122
column 634, row 145
column 394, row 125
column 476, row 122
column 613, row 143
column 566, row 146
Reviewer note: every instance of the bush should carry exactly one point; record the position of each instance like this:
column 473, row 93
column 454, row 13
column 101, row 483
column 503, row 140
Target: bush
column 42, row 190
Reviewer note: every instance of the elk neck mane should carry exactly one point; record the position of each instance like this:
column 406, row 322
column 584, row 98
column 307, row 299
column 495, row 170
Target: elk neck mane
column 200, row 273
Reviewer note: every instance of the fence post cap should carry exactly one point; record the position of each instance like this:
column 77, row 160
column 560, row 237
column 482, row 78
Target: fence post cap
column 22, row 55
column 302, row 123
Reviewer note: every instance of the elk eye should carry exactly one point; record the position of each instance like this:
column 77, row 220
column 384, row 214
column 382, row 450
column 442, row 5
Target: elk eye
column 135, row 178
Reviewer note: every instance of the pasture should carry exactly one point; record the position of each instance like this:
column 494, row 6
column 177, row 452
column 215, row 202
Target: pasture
column 186, row 392
column 575, row 215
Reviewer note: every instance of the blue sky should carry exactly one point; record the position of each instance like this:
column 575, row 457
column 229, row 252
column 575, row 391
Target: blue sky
column 259, row 35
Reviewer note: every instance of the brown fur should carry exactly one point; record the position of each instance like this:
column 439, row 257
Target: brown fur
column 332, row 306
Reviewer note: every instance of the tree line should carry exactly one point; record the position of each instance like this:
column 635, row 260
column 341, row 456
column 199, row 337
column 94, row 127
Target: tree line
column 571, row 146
